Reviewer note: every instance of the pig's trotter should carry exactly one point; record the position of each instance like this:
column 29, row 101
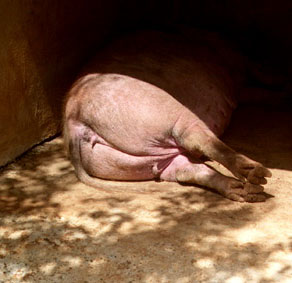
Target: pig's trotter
column 253, row 171
column 229, row 187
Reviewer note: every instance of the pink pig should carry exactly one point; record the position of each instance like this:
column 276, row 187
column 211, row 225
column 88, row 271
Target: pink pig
column 151, row 106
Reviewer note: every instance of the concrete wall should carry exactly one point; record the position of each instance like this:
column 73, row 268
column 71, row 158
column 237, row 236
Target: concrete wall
column 44, row 43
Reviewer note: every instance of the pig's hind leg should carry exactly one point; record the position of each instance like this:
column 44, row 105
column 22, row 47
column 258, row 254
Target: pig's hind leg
column 183, row 170
column 198, row 139
column 95, row 161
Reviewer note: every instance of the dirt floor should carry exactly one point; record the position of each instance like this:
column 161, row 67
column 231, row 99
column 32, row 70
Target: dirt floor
column 55, row 229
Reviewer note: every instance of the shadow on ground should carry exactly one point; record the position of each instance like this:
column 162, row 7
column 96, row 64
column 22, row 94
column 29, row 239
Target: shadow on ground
column 55, row 229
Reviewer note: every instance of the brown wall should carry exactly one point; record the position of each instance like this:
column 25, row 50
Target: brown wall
column 44, row 43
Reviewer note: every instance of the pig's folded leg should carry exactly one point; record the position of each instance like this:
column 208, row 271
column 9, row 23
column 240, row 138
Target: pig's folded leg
column 230, row 188
column 199, row 139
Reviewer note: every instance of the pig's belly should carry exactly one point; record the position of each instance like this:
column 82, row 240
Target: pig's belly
column 105, row 162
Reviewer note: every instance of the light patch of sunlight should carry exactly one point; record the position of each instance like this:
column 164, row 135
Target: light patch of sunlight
column 73, row 261
column 153, row 278
column 18, row 234
column 55, row 169
column 211, row 239
column 48, row 268
column 183, row 280
column 205, row 263
column 150, row 216
column 114, row 218
column 97, row 262
column 143, row 226
column 235, row 279
column 116, row 211
column 273, row 269
column 3, row 252
column 126, row 226
column 9, row 233
column 249, row 236
column 4, row 231
column 76, row 235
column 192, row 244
column 199, row 207
column 14, row 270
column 112, row 239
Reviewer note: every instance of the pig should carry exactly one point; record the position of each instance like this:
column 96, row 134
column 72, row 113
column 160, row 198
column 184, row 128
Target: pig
column 152, row 105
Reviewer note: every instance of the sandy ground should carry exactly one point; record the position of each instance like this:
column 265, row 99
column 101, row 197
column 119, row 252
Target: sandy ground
column 55, row 229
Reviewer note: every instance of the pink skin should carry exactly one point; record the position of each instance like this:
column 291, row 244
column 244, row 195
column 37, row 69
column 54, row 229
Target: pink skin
column 129, row 120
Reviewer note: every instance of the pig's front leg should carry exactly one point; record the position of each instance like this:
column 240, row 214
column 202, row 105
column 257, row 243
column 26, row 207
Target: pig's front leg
column 197, row 138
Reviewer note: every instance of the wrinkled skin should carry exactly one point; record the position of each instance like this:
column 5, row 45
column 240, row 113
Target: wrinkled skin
column 151, row 106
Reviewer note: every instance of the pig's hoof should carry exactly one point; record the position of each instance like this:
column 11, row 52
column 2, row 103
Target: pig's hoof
column 243, row 192
column 254, row 193
column 254, row 172
column 255, row 198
